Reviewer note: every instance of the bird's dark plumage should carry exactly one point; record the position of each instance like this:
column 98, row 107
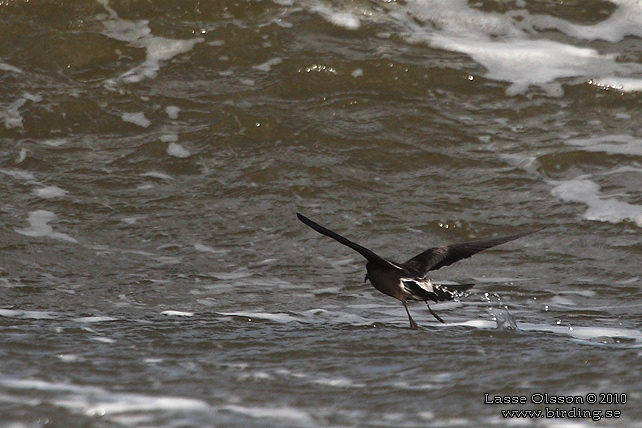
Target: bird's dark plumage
column 369, row 255
column 438, row 257
column 407, row 281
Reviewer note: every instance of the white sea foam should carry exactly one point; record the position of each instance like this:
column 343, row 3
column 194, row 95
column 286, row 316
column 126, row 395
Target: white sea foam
column 7, row 283
column 36, row 315
column 156, row 174
column 41, row 385
column 98, row 401
column 10, row 114
column 172, row 112
column 130, row 220
column 32, row 97
column 177, row 151
column 526, row 63
column 11, row 68
column 102, row 339
column 208, row 249
column 623, row 21
column 587, row 333
column 137, row 119
column 267, row 65
column 562, row 301
column 345, row 20
column 39, row 226
column 16, row 173
column 583, row 189
column 337, row 382
column 286, row 414
column 171, row 313
column 622, row 144
column 629, row 280
column 70, row 358
column 276, row 317
column 22, row 155
column 54, row 142
column 512, row 46
column 41, row 190
column 585, row 293
column 600, row 207
column 256, row 375
column 122, row 29
column 237, row 274
column 593, row 334
column 49, row 192
column 141, row 403
column 139, row 35
column 94, row 319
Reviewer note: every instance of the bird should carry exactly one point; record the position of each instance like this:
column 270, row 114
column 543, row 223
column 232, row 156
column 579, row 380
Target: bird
column 408, row 281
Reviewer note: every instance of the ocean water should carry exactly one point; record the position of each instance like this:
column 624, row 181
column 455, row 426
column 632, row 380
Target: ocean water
column 153, row 156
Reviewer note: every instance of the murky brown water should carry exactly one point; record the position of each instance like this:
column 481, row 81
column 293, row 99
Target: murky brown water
column 153, row 156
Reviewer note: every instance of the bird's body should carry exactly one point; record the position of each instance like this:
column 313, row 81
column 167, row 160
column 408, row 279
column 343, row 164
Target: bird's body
column 407, row 281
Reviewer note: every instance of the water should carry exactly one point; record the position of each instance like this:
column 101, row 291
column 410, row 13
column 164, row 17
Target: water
column 153, row 156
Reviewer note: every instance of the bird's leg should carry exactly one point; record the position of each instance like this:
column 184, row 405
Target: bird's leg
column 413, row 324
column 434, row 314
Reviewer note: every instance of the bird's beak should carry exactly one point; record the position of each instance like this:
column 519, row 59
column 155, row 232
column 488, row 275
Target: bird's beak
column 366, row 278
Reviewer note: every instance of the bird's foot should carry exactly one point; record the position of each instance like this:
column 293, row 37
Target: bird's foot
column 434, row 314
column 413, row 324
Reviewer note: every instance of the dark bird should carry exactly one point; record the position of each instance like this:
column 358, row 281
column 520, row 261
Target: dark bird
column 407, row 281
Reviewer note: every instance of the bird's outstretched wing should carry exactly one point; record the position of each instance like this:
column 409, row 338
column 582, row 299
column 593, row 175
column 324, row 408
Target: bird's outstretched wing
column 369, row 255
column 438, row 257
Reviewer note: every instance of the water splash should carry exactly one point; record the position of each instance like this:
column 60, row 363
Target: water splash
column 500, row 314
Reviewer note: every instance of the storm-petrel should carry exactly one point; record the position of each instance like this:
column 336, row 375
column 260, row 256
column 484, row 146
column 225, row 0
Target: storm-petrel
column 407, row 281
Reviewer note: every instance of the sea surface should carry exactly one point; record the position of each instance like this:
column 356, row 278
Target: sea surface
column 153, row 155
